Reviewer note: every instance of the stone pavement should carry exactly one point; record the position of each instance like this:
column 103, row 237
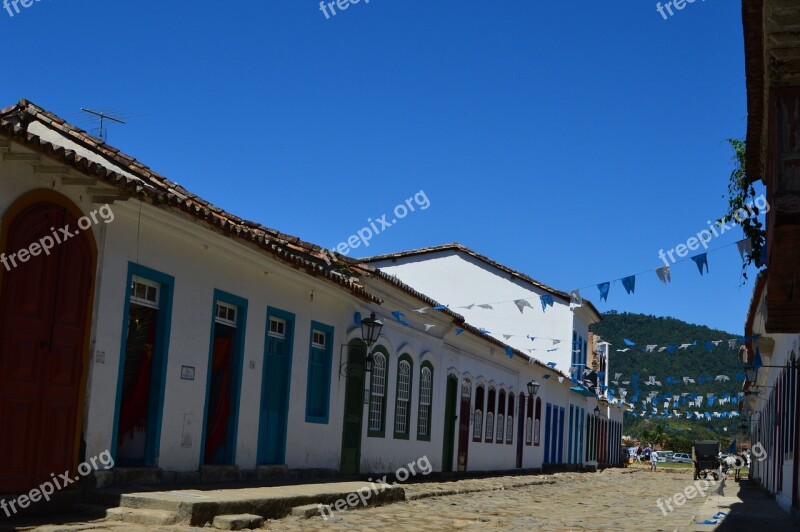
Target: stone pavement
column 614, row 499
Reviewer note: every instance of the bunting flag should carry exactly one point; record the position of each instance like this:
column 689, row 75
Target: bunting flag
column 604, row 287
column 575, row 299
column 459, row 331
column 357, row 319
column 398, row 315
column 650, row 348
column 509, row 352
column 664, row 274
column 428, row 327
column 422, row 310
column 628, row 342
column 701, row 260
column 486, row 306
column 547, row 300
column 629, row 283
column 440, row 307
column 745, row 248
column 521, row 304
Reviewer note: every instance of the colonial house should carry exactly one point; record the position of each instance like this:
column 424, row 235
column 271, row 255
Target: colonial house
column 772, row 396
column 140, row 319
column 504, row 304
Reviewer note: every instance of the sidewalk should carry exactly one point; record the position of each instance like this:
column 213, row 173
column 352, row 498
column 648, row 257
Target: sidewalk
column 746, row 508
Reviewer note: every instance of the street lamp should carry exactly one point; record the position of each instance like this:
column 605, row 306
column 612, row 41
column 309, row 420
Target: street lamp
column 533, row 387
column 370, row 332
column 751, row 372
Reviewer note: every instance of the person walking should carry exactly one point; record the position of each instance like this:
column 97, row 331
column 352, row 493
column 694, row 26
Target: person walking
column 653, row 460
column 639, row 453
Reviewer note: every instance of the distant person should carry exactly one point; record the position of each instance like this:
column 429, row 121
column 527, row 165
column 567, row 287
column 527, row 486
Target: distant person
column 653, row 461
column 639, row 454
column 647, row 451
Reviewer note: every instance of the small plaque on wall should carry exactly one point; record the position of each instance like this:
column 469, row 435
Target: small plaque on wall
column 187, row 373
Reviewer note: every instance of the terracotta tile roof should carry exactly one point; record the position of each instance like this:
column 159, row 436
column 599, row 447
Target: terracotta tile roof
column 455, row 246
column 148, row 185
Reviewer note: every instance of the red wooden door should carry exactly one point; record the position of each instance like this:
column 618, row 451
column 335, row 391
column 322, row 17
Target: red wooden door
column 43, row 310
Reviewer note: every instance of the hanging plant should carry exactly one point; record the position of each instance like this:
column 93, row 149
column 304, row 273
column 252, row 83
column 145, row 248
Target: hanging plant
column 741, row 197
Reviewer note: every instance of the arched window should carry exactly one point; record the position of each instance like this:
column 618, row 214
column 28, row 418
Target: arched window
column 538, row 422
column 510, row 419
column 477, row 427
column 490, row 416
column 529, row 430
column 425, row 398
column 501, row 417
column 377, row 402
column 402, row 397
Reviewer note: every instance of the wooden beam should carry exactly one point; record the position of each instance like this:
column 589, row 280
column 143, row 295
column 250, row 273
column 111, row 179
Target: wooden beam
column 82, row 180
column 21, row 157
column 50, row 169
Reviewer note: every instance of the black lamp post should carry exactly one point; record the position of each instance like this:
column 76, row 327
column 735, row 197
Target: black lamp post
column 533, row 387
column 370, row 332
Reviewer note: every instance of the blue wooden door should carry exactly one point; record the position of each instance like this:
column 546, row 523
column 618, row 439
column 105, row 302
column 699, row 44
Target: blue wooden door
column 275, row 391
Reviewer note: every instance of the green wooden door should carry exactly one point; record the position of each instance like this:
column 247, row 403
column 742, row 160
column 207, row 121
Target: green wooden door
column 353, row 410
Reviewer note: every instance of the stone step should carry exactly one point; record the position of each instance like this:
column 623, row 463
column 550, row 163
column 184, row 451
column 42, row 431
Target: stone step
column 238, row 521
column 213, row 474
column 306, row 511
column 141, row 516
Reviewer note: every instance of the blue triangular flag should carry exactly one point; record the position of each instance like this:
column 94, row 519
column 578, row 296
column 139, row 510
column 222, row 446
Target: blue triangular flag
column 509, row 352
column 629, row 283
column 357, row 319
column 628, row 342
column 546, row 299
column 604, row 287
column 398, row 315
column 459, row 331
column 701, row 260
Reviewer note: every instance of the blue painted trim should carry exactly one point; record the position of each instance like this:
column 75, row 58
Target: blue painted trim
column 290, row 319
column 328, row 330
column 161, row 352
column 238, row 367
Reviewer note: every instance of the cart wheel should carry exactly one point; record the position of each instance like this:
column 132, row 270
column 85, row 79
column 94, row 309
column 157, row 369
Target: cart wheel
column 703, row 474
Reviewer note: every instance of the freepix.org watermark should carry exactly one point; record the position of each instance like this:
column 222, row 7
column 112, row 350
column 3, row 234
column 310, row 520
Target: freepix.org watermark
column 702, row 486
column 379, row 225
column 47, row 243
column 329, row 8
column 46, row 489
column 364, row 494
column 12, row 6
column 667, row 7
column 715, row 229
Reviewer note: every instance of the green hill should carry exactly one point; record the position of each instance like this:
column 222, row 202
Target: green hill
column 696, row 362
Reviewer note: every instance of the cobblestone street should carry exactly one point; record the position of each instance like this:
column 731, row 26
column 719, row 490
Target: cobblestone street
column 614, row 499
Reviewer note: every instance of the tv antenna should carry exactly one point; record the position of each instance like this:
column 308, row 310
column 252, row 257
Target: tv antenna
column 103, row 117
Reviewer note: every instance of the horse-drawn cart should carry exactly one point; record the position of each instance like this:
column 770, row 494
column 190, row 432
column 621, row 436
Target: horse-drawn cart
column 705, row 456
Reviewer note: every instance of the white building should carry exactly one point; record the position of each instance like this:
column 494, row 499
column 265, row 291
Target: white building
column 138, row 318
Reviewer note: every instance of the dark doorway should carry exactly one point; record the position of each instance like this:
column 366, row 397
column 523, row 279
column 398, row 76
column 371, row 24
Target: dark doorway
column 463, row 425
column 520, row 430
column 353, row 408
column 449, row 423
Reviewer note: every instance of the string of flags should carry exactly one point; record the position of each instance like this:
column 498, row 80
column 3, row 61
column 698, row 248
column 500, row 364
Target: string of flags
column 664, row 274
column 671, row 348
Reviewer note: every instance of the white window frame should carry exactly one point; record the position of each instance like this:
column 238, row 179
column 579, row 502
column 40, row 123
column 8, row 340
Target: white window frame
column 149, row 284
column 276, row 334
column 226, row 321
column 377, row 393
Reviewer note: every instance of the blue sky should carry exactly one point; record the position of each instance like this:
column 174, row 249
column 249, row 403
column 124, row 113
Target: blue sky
column 569, row 140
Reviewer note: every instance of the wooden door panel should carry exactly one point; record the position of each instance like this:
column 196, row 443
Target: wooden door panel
column 43, row 312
